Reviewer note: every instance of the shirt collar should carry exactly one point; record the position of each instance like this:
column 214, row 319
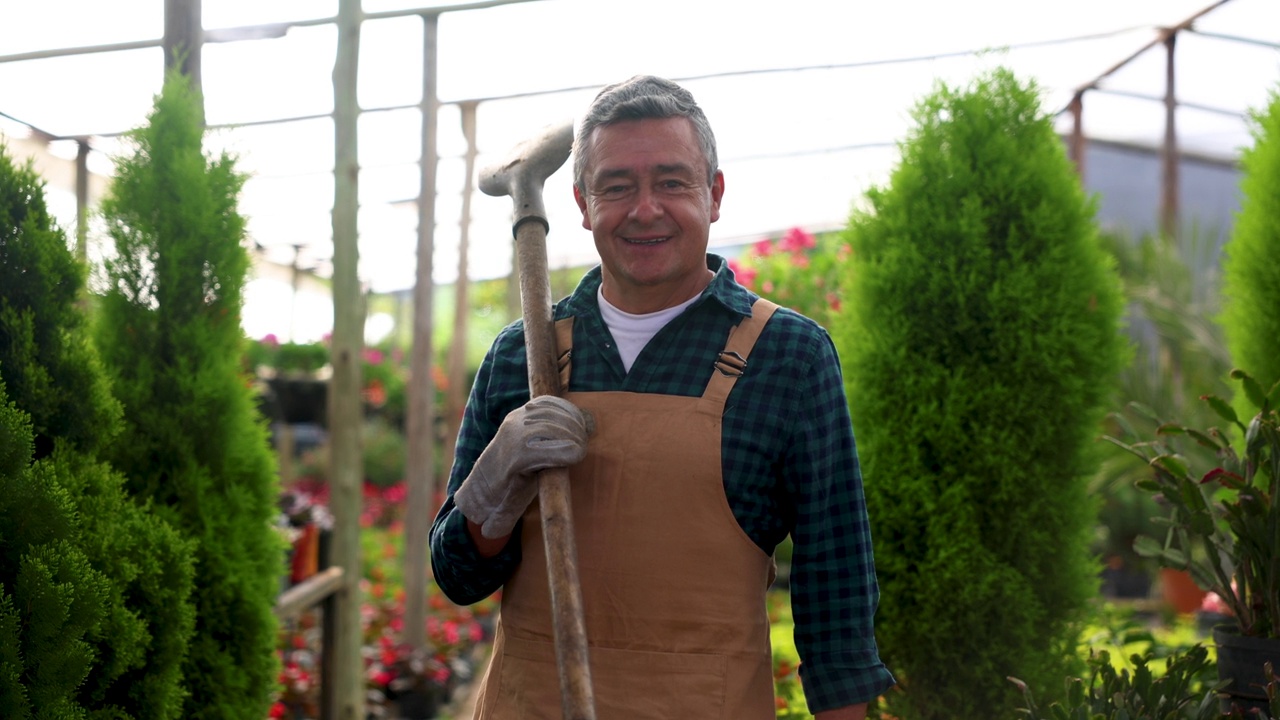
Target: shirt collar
column 723, row 290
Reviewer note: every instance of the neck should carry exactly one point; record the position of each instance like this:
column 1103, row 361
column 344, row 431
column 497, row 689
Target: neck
column 642, row 301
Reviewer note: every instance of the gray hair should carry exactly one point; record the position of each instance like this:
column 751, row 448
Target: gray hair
column 642, row 97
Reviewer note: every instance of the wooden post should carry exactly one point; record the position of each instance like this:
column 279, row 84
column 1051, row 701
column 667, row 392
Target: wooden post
column 1077, row 146
column 455, row 395
column 1169, row 151
column 82, row 199
column 421, row 413
column 345, row 412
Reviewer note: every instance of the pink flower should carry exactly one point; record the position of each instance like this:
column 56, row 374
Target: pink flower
column 796, row 240
column 743, row 274
column 271, row 340
column 373, row 356
column 1213, row 603
column 763, row 248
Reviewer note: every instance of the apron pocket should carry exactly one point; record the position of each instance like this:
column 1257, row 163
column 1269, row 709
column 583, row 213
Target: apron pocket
column 627, row 684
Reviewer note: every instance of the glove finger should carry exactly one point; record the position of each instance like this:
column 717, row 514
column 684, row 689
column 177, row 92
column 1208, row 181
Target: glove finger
column 546, row 453
column 558, row 412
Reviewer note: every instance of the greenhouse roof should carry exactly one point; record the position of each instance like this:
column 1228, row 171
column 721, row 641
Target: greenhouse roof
column 808, row 98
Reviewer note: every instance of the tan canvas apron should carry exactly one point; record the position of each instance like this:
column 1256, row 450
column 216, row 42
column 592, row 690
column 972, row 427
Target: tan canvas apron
column 673, row 589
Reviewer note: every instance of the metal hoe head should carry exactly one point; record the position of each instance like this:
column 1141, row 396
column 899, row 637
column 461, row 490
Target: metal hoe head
column 526, row 169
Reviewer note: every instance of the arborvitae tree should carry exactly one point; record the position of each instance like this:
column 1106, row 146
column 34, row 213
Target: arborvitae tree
column 125, row 632
column 169, row 332
column 1251, row 267
column 48, row 363
column 50, row 596
column 980, row 336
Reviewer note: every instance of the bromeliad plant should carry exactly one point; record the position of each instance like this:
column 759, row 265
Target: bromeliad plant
column 1224, row 521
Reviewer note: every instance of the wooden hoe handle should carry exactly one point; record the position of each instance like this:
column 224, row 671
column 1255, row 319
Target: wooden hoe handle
column 522, row 177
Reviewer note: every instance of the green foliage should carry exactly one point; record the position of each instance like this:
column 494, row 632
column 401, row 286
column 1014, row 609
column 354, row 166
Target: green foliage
column 980, row 335
column 1109, row 694
column 105, row 623
column 105, row 590
column 45, row 359
column 1172, row 288
column 1251, row 267
column 1224, row 518
column 194, row 444
column 50, row 598
column 285, row 358
column 149, row 611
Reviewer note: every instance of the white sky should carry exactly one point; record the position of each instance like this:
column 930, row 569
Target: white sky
column 797, row 148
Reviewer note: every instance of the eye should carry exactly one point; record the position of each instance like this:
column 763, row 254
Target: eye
column 616, row 190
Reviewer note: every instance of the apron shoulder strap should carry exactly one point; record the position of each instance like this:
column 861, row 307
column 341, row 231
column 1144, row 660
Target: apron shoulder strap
column 731, row 363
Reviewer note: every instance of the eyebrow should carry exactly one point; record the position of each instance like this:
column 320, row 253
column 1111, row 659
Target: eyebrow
column 665, row 169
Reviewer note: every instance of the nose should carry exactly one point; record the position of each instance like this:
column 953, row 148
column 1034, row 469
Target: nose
column 647, row 206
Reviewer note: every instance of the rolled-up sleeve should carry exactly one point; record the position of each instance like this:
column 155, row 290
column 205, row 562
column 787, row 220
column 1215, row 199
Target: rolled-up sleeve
column 501, row 384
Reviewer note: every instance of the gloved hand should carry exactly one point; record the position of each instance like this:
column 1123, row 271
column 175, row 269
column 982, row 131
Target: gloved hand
column 546, row 432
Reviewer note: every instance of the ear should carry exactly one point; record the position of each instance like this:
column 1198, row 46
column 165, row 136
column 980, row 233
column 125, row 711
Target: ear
column 582, row 205
column 717, row 192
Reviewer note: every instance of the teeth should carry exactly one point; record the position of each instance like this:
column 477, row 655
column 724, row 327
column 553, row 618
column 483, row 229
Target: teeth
column 654, row 241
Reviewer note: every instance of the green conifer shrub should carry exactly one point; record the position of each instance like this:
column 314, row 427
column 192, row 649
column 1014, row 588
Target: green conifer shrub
column 50, row 368
column 1251, row 263
column 193, row 444
column 50, row 597
column 980, row 336
column 124, row 576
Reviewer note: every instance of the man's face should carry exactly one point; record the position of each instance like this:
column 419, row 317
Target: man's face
column 649, row 206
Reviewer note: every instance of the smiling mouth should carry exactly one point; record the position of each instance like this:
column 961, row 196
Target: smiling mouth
column 645, row 241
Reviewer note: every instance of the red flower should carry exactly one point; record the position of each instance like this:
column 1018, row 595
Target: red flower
column 763, row 248
column 278, row 710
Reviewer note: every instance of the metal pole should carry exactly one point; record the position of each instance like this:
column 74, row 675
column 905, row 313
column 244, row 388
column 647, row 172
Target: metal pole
column 421, row 416
column 183, row 38
column 345, row 412
column 1169, row 151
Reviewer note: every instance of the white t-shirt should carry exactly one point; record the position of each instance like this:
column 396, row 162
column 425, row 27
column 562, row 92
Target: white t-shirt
column 633, row 332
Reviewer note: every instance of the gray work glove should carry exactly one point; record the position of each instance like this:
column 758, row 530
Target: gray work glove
column 546, row 432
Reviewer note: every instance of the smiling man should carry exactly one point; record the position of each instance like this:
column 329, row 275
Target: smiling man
column 701, row 425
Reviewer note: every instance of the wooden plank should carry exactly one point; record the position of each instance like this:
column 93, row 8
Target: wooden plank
column 309, row 593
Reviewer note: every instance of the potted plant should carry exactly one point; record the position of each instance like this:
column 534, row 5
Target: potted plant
column 1224, row 528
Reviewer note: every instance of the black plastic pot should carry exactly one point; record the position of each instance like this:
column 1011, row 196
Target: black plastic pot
column 1240, row 660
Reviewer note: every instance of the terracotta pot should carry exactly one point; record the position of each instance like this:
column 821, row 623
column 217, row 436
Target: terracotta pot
column 306, row 554
column 1179, row 591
